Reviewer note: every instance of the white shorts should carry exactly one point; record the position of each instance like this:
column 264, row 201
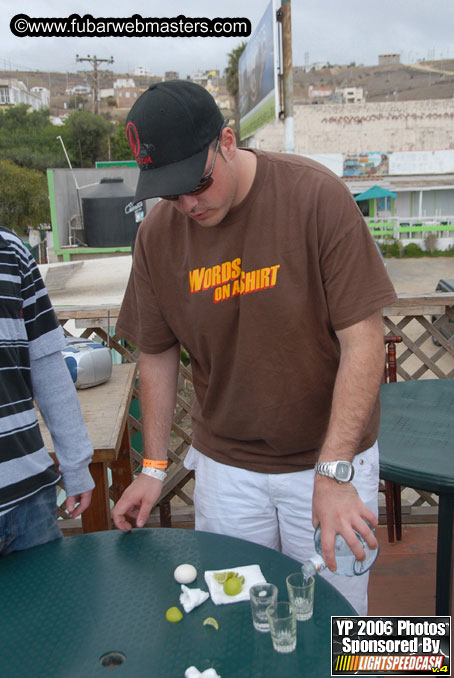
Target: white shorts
column 275, row 510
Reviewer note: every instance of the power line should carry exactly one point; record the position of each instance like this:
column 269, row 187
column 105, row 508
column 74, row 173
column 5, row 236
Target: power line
column 94, row 61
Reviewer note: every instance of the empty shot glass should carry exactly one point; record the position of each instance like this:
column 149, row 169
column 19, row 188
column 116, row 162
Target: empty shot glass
column 282, row 621
column 301, row 594
column 262, row 596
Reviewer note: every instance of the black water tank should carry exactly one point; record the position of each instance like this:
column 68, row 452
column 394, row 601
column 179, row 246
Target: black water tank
column 105, row 222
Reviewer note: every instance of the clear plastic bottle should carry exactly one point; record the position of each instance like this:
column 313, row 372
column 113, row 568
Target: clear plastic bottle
column 347, row 565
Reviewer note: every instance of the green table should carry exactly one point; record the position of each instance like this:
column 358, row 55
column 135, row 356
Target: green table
column 416, row 443
column 65, row 604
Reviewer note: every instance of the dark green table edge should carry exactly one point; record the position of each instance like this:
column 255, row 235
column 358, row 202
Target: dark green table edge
column 442, row 485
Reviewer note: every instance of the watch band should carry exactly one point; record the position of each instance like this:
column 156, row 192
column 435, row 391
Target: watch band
column 341, row 471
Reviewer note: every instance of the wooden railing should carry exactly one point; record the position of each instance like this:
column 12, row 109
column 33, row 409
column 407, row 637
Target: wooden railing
column 424, row 321
column 403, row 227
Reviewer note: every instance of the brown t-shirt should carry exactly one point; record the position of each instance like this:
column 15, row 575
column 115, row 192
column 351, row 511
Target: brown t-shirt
column 256, row 301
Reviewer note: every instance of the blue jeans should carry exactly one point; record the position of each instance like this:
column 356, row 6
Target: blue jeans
column 32, row 522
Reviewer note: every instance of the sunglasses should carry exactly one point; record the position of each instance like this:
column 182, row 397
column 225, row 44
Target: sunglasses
column 207, row 180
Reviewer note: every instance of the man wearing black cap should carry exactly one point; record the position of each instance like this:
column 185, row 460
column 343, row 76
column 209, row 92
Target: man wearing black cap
column 261, row 266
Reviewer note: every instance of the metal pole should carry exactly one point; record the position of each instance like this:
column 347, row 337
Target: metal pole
column 95, row 61
column 288, row 75
column 95, row 86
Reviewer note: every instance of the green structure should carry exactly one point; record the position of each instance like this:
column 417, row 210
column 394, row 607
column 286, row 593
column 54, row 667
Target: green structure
column 372, row 195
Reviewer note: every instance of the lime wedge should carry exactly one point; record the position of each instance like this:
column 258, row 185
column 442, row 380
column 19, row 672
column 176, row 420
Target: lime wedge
column 220, row 577
column 211, row 621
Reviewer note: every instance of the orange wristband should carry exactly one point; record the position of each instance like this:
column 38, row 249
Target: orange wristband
column 154, row 463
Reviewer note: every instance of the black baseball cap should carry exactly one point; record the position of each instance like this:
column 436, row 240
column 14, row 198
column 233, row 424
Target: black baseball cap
column 169, row 129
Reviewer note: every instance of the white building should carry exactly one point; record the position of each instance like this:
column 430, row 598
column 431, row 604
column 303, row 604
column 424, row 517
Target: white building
column 14, row 92
column 351, row 95
column 78, row 89
column 44, row 93
column 124, row 83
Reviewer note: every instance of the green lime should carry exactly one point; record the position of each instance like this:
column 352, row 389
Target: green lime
column 173, row 614
column 233, row 586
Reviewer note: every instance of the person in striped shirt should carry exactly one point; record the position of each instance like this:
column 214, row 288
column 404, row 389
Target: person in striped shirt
column 32, row 368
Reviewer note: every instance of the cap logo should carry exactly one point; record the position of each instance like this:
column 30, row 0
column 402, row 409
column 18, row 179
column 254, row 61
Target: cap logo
column 142, row 152
column 133, row 138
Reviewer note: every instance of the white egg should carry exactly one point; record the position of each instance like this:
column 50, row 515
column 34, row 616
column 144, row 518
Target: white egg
column 185, row 574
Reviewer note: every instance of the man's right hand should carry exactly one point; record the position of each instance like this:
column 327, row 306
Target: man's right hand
column 136, row 502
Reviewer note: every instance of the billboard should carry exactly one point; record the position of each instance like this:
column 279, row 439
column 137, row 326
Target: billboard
column 367, row 164
column 257, row 76
column 422, row 162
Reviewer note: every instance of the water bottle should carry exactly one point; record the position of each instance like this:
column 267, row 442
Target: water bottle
column 347, row 565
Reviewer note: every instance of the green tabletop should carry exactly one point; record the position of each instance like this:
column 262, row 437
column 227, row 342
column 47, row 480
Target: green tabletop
column 66, row 604
column 416, row 445
column 416, row 438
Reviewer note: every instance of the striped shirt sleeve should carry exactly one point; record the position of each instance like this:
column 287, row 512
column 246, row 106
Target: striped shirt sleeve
column 44, row 332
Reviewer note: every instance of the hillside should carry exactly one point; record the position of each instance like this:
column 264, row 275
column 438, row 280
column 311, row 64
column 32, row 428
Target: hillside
column 399, row 82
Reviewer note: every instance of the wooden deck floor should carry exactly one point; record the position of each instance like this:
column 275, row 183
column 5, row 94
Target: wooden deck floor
column 402, row 581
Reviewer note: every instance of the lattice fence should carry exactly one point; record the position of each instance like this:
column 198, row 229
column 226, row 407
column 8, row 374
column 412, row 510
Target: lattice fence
column 425, row 322
column 176, row 500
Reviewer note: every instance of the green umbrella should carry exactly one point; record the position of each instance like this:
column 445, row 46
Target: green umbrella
column 375, row 192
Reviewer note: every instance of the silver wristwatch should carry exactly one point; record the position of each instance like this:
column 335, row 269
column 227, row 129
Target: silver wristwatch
column 341, row 471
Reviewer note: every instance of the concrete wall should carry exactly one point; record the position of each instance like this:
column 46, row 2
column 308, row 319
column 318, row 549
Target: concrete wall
column 354, row 128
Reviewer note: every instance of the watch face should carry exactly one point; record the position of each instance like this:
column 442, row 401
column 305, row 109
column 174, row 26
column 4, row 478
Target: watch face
column 343, row 471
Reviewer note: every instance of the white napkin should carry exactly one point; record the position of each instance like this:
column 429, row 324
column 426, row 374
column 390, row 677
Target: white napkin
column 193, row 672
column 252, row 575
column 191, row 598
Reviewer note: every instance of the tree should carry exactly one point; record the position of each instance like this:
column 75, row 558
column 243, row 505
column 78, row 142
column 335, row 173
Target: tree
column 29, row 139
column 24, row 197
column 232, row 82
column 85, row 136
column 119, row 147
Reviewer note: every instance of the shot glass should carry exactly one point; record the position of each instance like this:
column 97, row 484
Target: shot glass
column 301, row 595
column 282, row 621
column 262, row 596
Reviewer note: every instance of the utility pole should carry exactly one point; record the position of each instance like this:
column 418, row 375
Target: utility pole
column 285, row 16
column 95, row 61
